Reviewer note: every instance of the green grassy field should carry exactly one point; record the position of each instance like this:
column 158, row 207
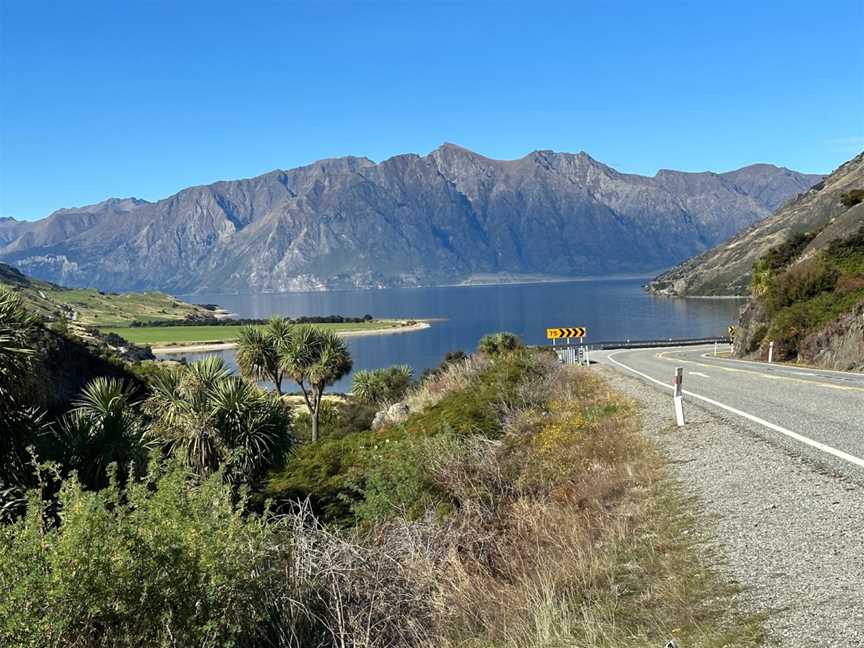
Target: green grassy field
column 176, row 335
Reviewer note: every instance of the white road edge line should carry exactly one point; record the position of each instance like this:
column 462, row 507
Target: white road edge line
column 771, row 426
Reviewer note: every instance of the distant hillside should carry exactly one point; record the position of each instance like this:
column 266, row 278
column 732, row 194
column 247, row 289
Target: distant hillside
column 410, row 220
column 727, row 268
column 90, row 307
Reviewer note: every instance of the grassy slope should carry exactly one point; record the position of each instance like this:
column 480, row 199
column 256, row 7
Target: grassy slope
column 94, row 308
column 801, row 296
column 167, row 335
column 557, row 523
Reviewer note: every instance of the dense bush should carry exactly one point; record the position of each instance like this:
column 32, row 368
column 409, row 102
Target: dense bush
column 801, row 282
column 157, row 563
column 777, row 258
column 809, row 294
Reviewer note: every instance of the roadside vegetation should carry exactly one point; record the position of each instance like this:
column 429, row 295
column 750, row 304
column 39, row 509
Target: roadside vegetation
column 504, row 501
column 796, row 297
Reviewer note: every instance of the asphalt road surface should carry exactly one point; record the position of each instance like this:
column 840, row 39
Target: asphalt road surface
column 812, row 411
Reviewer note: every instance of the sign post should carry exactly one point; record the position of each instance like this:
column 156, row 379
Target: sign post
column 569, row 355
column 732, row 339
column 679, row 396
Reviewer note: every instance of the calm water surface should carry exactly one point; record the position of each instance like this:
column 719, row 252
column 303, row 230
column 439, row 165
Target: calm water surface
column 612, row 309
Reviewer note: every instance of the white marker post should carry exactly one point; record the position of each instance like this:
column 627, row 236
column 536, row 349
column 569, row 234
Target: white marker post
column 715, row 347
column 679, row 396
column 770, row 352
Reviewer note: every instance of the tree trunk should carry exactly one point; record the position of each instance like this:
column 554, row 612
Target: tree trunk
column 316, row 408
column 315, row 425
column 277, row 382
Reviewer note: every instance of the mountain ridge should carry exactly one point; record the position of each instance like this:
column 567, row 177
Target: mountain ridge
column 406, row 221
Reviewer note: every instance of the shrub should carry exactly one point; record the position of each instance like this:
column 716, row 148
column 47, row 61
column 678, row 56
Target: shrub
column 852, row 198
column 801, row 282
column 497, row 343
column 380, row 386
column 161, row 565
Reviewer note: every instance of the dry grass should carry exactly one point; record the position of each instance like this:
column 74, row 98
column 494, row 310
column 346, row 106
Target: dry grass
column 455, row 377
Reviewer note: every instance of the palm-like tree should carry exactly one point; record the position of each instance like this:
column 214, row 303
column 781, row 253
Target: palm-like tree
column 380, row 386
column 213, row 419
column 102, row 428
column 21, row 424
column 17, row 328
column 257, row 351
column 314, row 358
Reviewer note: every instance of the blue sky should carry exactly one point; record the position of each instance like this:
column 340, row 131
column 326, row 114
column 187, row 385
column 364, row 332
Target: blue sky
column 141, row 99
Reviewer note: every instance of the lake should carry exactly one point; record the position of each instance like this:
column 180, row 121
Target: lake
column 612, row 309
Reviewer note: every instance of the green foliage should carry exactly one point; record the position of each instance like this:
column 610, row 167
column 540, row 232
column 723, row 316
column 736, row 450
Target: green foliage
column 812, row 293
column 380, row 386
column 156, row 564
column 17, row 331
column 258, row 351
column 847, row 254
column 852, row 198
column 496, row 343
column 214, row 420
column 789, row 326
column 324, row 472
column 21, row 424
column 336, row 419
column 776, row 259
column 800, row 282
column 396, row 481
column 102, row 429
column 373, row 475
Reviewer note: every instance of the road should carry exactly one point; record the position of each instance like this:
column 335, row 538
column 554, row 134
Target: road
column 810, row 410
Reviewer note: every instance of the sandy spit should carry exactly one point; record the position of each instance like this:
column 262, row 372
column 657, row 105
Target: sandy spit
column 221, row 346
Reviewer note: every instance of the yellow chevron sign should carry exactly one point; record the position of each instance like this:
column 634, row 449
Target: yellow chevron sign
column 566, row 332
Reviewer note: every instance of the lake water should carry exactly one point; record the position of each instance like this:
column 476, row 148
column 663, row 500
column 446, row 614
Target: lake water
column 612, row 309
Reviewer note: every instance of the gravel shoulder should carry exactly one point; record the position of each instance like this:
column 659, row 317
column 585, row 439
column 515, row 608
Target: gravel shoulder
column 788, row 530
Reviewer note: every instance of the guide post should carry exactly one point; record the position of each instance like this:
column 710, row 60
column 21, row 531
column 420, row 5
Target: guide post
column 679, row 396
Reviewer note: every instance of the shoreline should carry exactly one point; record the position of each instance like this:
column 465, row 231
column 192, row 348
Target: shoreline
column 222, row 346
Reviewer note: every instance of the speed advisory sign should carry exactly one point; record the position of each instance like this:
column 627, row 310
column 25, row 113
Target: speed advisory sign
column 566, row 332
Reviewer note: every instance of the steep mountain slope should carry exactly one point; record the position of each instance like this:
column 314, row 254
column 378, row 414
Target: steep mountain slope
column 409, row 220
column 727, row 268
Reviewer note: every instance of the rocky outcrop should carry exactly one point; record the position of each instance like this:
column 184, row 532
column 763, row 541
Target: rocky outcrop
column 839, row 345
column 410, row 220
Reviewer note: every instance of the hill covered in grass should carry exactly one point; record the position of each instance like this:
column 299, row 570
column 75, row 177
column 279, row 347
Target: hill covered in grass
column 91, row 307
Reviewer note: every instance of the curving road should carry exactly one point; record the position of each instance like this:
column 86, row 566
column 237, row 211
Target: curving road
column 811, row 410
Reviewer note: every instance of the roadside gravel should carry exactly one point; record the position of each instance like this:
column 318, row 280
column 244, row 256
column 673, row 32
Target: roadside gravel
column 788, row 530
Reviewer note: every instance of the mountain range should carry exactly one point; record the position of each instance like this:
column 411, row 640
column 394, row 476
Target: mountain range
column 447, row 217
